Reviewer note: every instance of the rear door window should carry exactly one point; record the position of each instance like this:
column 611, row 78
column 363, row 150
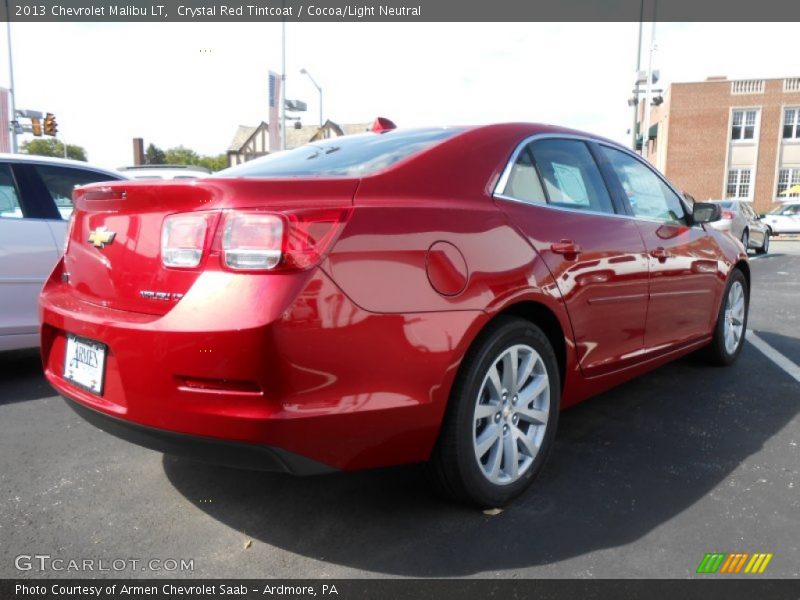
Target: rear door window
column 10, row 207
column 570, row 175
column 61, row 181
column 523, row 181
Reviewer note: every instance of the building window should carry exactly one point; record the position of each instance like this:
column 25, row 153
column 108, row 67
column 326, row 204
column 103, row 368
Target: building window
column 786, row 179
column 791, row 124
column 738, row 183
column 744, row 124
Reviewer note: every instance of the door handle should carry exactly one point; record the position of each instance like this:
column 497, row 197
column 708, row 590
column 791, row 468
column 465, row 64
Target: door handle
column 660, row 253
column 565, row 247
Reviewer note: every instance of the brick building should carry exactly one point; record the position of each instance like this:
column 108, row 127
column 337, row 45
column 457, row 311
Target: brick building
column 729, row 139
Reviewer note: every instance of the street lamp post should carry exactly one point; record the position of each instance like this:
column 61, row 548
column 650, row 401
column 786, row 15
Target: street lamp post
column 635, row 104
column 12, row 91
column 319, row 89
column 282, row 99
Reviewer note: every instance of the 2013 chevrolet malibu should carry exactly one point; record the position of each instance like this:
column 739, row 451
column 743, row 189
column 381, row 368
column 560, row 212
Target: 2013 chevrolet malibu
column 393, row 297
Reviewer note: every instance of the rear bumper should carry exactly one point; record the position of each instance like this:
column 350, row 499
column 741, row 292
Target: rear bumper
column 210, row 450
column 291, row 364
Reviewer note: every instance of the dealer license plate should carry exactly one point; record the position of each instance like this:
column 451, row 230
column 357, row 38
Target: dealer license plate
column 85, row 363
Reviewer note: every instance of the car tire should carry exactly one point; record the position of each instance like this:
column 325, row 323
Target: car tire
column 764, row 248
column 481, row 458
column 746, row 240
column 730, row 328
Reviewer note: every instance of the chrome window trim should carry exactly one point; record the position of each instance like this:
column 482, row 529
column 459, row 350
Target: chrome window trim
column 581, row 211
column 506, row 174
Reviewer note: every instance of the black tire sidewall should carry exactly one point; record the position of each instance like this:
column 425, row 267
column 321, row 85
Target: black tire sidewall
column 514, row 331
column 722, row 356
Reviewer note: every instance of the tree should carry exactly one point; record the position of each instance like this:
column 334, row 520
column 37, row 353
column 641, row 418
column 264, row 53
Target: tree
column 154, row 155
column 186, row 156
column 181, row 156
column 214, row 163
column 53, row 147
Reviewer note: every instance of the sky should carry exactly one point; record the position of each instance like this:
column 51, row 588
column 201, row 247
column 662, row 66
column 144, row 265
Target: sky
column 192, row 84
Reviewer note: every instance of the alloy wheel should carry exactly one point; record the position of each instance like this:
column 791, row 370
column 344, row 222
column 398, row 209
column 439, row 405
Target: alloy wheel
column 511, row 414
column 734, row 317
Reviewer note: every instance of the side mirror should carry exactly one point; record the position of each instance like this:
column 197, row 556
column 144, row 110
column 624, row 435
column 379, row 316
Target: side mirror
column 706, row 212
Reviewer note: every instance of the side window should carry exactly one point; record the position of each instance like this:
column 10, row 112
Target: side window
column 9, row 199
column 523, row 182
column 60, row 181
column 570, row 175
column 647, row 194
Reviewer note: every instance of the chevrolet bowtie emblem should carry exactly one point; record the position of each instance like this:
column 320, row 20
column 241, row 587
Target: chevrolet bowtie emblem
column 100, row 237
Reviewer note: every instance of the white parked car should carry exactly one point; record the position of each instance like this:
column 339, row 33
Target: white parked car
column 165, row 172
column 784, row 218
column 35, row 204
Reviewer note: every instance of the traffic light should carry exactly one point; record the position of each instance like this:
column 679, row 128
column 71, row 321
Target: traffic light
column 36, row 127
column 50, row 125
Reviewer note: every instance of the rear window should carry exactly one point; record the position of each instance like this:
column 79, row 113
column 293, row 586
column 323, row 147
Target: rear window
column 727, row 205
column 347, row 156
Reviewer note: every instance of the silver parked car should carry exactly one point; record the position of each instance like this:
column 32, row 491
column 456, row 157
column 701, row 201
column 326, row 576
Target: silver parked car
column 744, row 224
column 35, row 204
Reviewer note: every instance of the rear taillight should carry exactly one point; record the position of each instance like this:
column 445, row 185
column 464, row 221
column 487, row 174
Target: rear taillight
column 183, row 240
column 295, row 240
column 311, row 234
column 252, row 241
column 726, row 214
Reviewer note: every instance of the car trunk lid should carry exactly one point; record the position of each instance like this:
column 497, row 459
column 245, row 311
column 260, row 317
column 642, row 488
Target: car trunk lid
column 113, row 256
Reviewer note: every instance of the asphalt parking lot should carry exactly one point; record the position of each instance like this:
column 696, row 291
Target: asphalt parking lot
column 644, row 480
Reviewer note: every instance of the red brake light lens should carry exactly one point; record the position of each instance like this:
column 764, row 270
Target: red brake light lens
column 183, row 240
column 311, row 233
column 726, row 214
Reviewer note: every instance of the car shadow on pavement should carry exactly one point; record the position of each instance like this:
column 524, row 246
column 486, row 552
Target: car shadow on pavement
column 624, row 463
column 21, row 377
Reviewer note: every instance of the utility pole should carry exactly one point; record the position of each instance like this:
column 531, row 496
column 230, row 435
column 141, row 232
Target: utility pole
column 12, row 91
column 283, row 82
column 649, row 89
column 636, row 89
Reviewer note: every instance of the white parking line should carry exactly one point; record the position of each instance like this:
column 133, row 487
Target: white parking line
column 779, row 359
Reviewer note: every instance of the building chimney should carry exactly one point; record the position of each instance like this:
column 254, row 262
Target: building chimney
column 717, row 78
column 138, row 151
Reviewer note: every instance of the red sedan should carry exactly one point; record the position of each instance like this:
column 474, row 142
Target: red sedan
column 393, row 297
